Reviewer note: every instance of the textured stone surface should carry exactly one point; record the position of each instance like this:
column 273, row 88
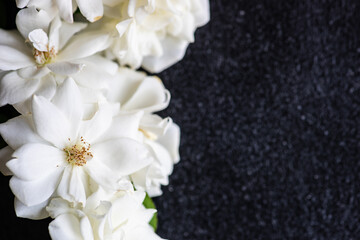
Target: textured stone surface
column 268, row 102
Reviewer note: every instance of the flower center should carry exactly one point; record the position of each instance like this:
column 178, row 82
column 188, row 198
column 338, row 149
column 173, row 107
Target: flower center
column 78, row 154
column 44, row 57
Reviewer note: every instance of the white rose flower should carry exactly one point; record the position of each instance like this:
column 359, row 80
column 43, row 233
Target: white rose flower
column 153, row 34
column 44, row 50
column 92, row 10
column 119, row 216
column 58, row 153
column 162, row 137
column 135, row 91
column 91, row 80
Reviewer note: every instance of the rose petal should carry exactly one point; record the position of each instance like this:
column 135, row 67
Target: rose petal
column 29, row 19
column 18, row 131
column 35, row 192
column 67, row 226
column 33, row 72
column 22, row 3
column 72, row 185
column 54, row 34
column 123, row 156
column 39, row 39
column 125, row 125
column 5, row 156
column 150, row 95
column 173, row 51
column 171, row 141
column 13, row 59
column 68, row 100
column 65, row 68
column 65, row 10
column 13, row 38
column 84, row 45
column 91, row 129
column 46, row 88
column 35, row 212
column 50, row 122
column 202, row 12
column 32, row 161
column 67, row 30
column 14, row 89
column 93, row 10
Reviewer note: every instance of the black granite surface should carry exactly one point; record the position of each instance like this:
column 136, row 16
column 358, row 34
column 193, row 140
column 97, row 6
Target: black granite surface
column 268, row 102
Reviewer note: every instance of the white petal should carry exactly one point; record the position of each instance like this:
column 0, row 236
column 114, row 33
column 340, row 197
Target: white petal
column 54, row 34
column 202, row 13
column 39, row 39
column 66, row 226
column 174, row 50
column 71, row 187
column 29, row 19
column 32, row 161
column 140, row 179
column 102, row 175
column 14, row 89
column 103, row 64
column 171, row 141
column 58, row 206
column 13, row 38
column 68, row 100
column 91, row 77
column 150, row 95
column 126, row 205
column 98, row 124
column 78, row 185
column 125, row 125
column 123, row 156
column 67, row 30
column 164, row 160
column 22, row 3
column 65, row 68
column 13, row 59
column 5, row 156
column 124, row 84
column 35, row 212
column 19, row 131
column 85, row 229
column 35, row 192
column 122, row 26
column 131, row 8
column 46, row 88
column 188, row 28
column 63, row 187
column 33, row 72
column 84, row 45
column 93, row 10
column 50, row 122
column 154, row 124
column 65, row 9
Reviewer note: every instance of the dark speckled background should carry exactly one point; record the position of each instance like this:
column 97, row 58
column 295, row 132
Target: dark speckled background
column 268, row 102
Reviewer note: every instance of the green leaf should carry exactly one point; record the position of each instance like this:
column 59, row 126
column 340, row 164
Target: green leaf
column 148, row 203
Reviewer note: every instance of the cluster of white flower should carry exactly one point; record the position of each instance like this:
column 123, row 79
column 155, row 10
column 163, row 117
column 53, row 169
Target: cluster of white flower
column 87, row 146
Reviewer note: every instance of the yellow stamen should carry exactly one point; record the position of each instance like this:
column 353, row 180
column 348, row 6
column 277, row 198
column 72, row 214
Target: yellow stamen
column 148, row 134
column 78, row 154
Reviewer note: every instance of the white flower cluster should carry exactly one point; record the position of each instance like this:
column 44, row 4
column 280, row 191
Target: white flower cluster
column 87, row 146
